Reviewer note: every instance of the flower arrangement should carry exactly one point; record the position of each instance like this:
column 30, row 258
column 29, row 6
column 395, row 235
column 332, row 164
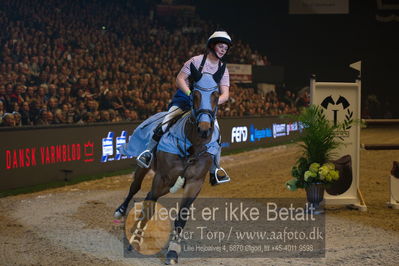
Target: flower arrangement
column 325, row 174
column 318, row 141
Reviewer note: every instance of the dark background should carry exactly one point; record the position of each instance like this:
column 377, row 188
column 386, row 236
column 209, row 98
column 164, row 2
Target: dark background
column 323, row 44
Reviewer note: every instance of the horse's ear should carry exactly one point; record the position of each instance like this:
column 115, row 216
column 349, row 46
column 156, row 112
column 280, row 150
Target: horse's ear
column 219, row 74
column 195, row 74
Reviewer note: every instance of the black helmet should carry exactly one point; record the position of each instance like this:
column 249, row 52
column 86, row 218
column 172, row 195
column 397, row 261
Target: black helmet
column 217, row 37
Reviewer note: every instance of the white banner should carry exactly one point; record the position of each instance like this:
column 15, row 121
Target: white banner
column 240, row 73
column 394, row 187
column 341, row 104
column 319, row 7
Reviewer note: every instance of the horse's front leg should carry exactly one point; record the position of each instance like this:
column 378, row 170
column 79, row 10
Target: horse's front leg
column 191, row 191
column 134, row 188
column 160, row 187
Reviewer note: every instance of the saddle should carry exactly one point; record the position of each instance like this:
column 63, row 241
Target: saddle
column 174, row 120
column 344, row 167
column 170, row 141
column 174, row 139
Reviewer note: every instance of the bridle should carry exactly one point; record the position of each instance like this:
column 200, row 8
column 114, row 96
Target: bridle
column 197, row 113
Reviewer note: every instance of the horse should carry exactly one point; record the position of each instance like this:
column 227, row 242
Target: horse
column 173, row 171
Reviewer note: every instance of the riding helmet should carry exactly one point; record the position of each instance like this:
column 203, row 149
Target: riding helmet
column 217, row 37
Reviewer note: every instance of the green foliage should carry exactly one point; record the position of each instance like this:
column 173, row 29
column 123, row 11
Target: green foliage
column 318, row 141
column 318, row 135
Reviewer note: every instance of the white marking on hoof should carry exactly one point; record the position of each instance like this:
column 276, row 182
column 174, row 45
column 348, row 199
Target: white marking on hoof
column 118, row 215
column 171, row 262
column 178, row 185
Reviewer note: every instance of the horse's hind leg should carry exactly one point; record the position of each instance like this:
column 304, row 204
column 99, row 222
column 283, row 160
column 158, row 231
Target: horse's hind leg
column 134, row 188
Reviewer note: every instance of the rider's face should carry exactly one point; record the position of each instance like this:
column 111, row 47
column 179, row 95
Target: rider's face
column 221, row 49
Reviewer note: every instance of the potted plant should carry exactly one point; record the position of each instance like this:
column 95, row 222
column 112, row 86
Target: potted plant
column 314, row 170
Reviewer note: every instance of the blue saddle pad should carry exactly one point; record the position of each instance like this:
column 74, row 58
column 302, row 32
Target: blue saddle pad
column 170, row 141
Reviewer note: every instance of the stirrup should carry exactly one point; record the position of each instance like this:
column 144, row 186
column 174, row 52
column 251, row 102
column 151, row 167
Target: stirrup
column 220, row 179
column 142, row 160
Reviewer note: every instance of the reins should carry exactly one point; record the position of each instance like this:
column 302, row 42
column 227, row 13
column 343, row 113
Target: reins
column 187, row 159
column 190, row 160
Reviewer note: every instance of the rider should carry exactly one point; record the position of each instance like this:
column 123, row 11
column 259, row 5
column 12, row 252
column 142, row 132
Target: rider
column 217, row 46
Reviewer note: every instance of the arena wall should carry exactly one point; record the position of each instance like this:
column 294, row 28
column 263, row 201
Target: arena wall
column 38, row 155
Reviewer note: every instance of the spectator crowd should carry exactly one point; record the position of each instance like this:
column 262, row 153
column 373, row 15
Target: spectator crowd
column 86, row 61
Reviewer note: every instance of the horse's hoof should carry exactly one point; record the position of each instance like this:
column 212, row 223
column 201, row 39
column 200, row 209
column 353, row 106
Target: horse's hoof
column 136, row 246
column 120, row 211
column 118, row 215
column 171, row 257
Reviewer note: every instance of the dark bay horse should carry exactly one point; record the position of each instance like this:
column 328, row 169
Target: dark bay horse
column 169, row 167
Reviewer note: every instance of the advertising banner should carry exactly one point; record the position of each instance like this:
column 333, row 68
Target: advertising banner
column 341, row 103
column 175, row 10
column 31, row 156
column 240, row 73
column 39, row 155
column 252, row 132
column 319, row 7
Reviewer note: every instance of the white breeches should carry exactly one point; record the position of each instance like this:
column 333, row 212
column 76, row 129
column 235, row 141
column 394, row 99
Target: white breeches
column 172, row 112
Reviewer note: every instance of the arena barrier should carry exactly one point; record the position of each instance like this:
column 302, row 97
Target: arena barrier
column 381, row 122
column 380, row 146
column 394, row 177
column 40, row 155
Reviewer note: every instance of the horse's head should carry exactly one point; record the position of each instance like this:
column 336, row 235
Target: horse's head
column 205, row 96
